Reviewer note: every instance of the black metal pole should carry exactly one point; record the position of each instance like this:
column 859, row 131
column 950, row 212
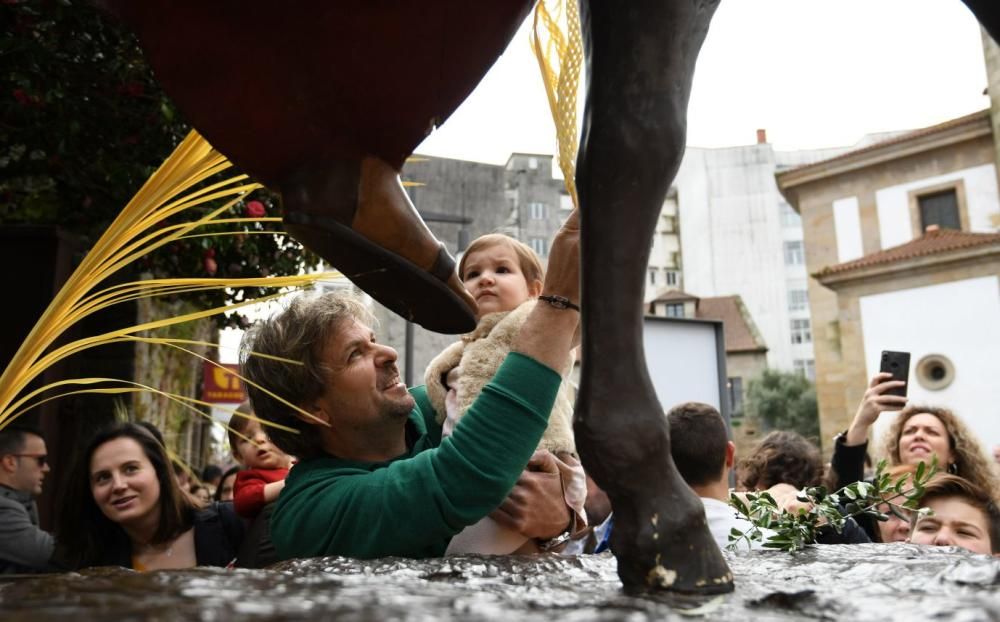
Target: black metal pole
column 408, row 355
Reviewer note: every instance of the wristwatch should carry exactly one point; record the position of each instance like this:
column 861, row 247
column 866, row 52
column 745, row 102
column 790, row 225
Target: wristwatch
column 551, row 543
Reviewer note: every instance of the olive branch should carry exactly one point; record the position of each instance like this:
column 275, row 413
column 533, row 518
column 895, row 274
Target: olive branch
column 794, row 530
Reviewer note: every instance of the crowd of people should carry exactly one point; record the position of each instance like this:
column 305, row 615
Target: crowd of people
column 335, row 456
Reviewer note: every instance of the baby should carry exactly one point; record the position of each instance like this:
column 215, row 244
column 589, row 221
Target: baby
column 266, row 465
column 505, row 277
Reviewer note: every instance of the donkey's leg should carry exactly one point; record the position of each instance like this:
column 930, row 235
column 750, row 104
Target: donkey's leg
column 641, row 56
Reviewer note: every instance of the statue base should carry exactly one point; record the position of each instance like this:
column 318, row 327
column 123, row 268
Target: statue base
column 877, row 582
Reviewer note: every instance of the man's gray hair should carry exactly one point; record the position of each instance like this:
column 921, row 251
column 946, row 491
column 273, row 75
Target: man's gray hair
column 298, row 333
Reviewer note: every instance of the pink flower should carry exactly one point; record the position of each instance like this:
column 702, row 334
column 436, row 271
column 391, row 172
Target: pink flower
column 255, row 209
column 210, row 266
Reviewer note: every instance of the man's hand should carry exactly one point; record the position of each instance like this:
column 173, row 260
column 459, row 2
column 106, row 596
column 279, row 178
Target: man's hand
column 535, row 507
column 874, row 402
column 548, row 333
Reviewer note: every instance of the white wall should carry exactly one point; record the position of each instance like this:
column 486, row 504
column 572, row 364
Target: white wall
column 732, row 236
column 682, row 357
column 894, row 208
column 960, row 320
column 847, row 225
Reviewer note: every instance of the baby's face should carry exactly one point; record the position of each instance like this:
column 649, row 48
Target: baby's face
column 261, row 454
column 494, row 278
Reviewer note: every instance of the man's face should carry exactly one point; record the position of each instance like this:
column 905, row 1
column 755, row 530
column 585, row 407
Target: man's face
column 955, row 522
column 364, row 394
column 32, row 465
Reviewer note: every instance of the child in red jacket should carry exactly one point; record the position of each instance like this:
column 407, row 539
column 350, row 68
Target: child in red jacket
column 266, row 465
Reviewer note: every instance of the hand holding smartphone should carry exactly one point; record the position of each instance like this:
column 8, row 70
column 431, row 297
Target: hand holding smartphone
column 897, row 364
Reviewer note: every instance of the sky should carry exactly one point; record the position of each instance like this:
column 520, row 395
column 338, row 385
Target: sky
column 813, row 73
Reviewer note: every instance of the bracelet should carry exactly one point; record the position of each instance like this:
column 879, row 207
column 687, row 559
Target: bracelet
column 560, row 302
column 552, row 543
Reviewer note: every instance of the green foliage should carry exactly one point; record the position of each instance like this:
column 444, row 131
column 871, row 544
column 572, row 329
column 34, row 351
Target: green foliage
column 794, row 530
column 85, row 124
column 784, row 401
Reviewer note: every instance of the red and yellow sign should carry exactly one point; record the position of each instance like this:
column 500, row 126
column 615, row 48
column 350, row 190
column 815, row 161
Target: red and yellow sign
column 222, row 384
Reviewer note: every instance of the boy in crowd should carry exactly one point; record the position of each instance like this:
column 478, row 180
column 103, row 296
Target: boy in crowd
column 704, row 455
column 964, row 516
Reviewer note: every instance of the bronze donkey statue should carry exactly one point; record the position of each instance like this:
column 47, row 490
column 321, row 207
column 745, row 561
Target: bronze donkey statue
column 345, row 90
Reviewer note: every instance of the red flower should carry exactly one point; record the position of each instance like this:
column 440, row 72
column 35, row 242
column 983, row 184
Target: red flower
column 255, row 209
column 133, row 89
column 210, row 266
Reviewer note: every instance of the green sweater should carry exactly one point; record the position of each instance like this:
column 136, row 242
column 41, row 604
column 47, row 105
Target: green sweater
column 411, row 506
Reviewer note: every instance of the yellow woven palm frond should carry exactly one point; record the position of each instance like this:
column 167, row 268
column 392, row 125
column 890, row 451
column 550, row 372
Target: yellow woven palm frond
column 137, row 231
column 188, row 403
column 558, row 46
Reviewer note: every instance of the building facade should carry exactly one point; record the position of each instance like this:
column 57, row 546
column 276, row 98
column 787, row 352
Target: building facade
column 881, row 199
column 665, row 269
column 738, row 236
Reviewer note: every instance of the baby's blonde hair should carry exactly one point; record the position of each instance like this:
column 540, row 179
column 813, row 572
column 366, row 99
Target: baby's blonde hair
column 527, row 259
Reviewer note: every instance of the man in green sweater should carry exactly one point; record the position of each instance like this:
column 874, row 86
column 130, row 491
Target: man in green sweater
column 374, row 477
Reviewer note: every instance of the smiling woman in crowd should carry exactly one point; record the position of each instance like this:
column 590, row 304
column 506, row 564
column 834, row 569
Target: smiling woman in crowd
column 124, row 508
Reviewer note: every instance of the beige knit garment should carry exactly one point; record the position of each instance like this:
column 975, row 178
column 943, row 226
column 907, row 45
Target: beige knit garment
column 478, row 355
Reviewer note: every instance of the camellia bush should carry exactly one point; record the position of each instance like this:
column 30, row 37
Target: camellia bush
column 85, row 124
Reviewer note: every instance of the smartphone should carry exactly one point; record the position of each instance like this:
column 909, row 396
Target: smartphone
column 897, row 364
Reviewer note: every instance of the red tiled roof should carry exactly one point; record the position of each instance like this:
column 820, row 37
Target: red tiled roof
column 932, row 243
column 740, row 333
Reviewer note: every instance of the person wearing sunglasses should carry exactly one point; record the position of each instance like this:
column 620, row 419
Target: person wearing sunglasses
column 24, row 546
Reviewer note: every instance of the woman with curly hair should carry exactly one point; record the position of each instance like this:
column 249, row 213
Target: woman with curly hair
column 920, row 431
column 918, row 434
column 783, row 463
column 781, row 458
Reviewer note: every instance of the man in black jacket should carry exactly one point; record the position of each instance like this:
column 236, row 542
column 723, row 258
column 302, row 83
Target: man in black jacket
column 24, row 547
